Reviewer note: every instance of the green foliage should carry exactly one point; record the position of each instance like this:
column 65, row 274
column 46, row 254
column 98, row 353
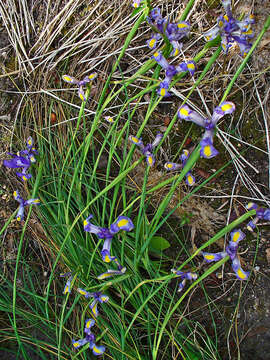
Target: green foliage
column 145, row 316
column 158, row 243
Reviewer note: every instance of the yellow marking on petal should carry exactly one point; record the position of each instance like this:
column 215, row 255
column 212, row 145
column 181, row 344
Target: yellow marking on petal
column 87, row 325
column 220, row 24
column 241, row 274
column 152, row 43
column 15, row 194
column 225, row 17
column 91, row 76
column 66, row 289
column 76, row 344
column 122, row 223
column 249, row 205
column 226, row 107
column 208, row 38
column 176, row 52
column 236, row 236
column 24, row 178
column 182, row 26
column 82, row 292
column 156, row 54
column 96, row 350
column 134, row 139
column 67, row 78
column 104, row 276
column 107, row 259
column 169, row 166
column 186, row 152
column 29, row 142
column 104, row 297
column 36, row 201
column 207, row 150
column 183, row 111
column 190, row 180
column 81, row 97
column 162, row 92
column 94, row 309
column 136, row 5
column 209, row 257
column 18, row 218
column 85, row 223
column 150, row 160
column 109, row 119
column 191, row 66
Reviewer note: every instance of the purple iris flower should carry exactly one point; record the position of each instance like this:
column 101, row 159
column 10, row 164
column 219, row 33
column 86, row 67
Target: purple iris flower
column 184, row 276
column 22, row 160
column 30, row 151
column 67, row 288
column 171, row 71
column 261, row 214
column 80, row 83
column 147, row 150
column 173, row 31
column 23, row 203
column 136, row 3
column 231, row 250
column 19, row 162
column 110, row 272
column 89, row 338
column 121, row 223
column 207, row 149
column 232, row 30
column 190, row 179
column 98, row 298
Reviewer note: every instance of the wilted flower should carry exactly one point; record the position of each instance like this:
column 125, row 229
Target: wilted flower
column 23, row 203
column 121, row 223
column 232, row 30
column 89, row 338
column 173, row 32
column 81, row 84
column 184, row 276
column 148, row 148
column 207, row 149
column 98, row 298
column 171, row 71
column 231, row 251
column 190, row 180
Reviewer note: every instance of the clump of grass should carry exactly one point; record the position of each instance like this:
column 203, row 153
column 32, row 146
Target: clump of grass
column 83, row 170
